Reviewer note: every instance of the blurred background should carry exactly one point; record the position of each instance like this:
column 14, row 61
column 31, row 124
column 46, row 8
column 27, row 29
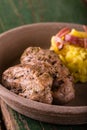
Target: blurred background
column 14, row 13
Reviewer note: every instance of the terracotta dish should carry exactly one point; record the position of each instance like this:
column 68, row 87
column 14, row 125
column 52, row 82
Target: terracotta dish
column 12, row 45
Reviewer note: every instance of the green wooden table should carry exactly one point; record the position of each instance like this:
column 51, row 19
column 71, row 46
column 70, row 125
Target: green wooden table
column 15, row 13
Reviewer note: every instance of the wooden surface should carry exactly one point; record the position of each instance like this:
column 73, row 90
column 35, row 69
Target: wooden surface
column 16, row 121
column 2, row 124
column 14, row 13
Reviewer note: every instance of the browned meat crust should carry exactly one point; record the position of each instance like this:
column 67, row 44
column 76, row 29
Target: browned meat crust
column 63, row 87
column 41, row 76
column 29, row 81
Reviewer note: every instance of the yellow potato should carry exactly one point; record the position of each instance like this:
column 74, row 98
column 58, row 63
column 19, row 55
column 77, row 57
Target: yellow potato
column 75, row 58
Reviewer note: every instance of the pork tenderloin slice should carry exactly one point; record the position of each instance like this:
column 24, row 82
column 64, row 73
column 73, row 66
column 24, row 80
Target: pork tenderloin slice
column 63, row 91
column 35, row 54
column 29, row 81
column 63, row 87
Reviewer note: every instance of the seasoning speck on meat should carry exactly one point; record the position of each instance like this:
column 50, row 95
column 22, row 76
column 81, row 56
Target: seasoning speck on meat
column 29, row 79
column 40, row 76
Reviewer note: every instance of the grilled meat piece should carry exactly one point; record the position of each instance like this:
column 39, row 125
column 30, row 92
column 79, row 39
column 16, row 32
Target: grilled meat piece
column 63, row 91
column 41, row 76
column 62, row 87
column 30, row 81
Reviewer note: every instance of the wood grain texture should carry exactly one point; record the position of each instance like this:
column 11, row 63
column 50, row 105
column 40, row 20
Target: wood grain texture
column 2, row 125
column 16, row 121
column 14, row 13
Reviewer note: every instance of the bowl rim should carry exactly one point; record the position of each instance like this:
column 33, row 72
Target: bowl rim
column 43, row 106
column 5, row 94
column 36, row 24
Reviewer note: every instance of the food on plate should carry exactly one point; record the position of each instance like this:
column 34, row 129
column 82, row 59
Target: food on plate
column 71, row 47
column 29, row 81
column 40, row 76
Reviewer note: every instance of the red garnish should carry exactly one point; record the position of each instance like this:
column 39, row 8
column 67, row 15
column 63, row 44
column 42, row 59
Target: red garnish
column 74, row 40
column 85, row 39
column 82, row 42
column 63, row 32
column 59, row 42
column 85, row 28
column 85, row 42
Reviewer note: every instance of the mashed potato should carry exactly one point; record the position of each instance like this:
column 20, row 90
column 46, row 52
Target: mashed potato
column 75, row 58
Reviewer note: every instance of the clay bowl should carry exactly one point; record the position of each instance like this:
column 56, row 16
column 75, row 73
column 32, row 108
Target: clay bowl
column 12, row 45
